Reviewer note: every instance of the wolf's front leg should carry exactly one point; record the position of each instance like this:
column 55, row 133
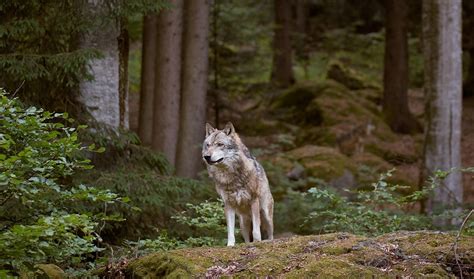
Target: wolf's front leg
column 230, row 219
column 256, row 220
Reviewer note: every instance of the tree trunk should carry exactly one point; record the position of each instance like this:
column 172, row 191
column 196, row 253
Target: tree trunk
column 395, row 100
column 468, row 46
column 468, row 88
column 301, row 15
column 124, row 51
column 168, row 81
column 282, row 72
column 443, row 97
column 147, row 87
column 193, row 101
column 101, row 96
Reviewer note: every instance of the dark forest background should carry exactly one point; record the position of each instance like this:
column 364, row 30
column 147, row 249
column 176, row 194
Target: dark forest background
column 361, row 112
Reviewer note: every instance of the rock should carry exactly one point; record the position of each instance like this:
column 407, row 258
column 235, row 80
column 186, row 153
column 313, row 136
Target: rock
column 345, row 181
column 298, row 96
column 376, row 163
column 49, row 271
column 402, row 150
column 350, row 78
column 323, row 162
column 296, row 173
column 337, row 255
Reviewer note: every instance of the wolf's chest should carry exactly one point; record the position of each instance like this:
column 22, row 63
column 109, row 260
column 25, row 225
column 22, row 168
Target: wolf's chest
column 237, row 198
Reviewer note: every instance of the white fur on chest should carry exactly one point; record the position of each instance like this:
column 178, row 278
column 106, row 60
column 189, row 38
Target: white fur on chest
column 233, row 187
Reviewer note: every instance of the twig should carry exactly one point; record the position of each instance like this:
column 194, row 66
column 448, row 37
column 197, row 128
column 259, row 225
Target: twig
column 18, row 89
column 456, row 256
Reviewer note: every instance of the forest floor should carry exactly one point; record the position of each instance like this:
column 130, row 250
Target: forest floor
column 338, row 255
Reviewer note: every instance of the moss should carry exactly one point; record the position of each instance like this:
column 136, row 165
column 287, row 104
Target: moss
column 347, row 76
column 334, row 268
column 298, row 96
column 401, row 150
column 160, row 266
column 49, row 271
column 373, row 161
column 337, row 255
column 322, row 162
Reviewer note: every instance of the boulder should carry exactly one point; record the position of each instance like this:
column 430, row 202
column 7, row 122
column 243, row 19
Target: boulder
column 325, row 163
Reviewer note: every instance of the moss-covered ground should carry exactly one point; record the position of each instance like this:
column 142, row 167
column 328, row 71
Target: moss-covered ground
column 424, row 254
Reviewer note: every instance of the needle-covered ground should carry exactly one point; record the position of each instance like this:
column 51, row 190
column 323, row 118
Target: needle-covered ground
column 338, row 255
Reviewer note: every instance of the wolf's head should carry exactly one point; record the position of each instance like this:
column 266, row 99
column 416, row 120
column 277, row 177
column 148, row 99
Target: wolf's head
column 220, row 146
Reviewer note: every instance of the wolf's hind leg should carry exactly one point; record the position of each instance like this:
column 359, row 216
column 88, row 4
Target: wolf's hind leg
column 255, row 209
column 245, row 227
column 267, row 220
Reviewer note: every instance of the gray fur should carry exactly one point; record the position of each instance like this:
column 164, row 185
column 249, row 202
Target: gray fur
column 240, row 181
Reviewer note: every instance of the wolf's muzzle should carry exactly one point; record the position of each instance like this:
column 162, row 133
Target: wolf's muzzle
column 209, row 160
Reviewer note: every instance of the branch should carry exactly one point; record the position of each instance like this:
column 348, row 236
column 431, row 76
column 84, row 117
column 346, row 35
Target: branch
column 456, row 256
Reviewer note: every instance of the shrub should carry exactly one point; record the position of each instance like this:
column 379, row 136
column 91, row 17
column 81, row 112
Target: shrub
column 382, row 209
column 39, row 217
column 205, row 226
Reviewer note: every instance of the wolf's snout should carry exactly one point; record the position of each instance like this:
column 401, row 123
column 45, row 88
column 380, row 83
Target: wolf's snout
column 210, row 162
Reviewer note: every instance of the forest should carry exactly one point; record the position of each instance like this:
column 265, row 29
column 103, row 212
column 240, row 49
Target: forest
column 360, row 113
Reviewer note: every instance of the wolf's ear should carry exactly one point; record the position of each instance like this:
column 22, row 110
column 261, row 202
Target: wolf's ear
column 209, row 129
column 229, row 129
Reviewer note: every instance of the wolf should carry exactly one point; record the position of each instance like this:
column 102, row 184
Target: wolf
column 241, row 182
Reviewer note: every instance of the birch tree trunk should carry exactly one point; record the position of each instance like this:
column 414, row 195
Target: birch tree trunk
column 282, row 71
column 395, row 99
column 168, row 81
column 193, row 97
column 443, row 96
column 102, row 96
column 147, row 86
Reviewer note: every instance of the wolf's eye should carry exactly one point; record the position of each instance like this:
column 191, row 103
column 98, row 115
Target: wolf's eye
column 219, row 144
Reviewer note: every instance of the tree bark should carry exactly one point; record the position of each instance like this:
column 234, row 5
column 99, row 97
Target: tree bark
column 168, row 81
column 468, row 46
column 443, row 96
column 282, row 72
column 101, row 96
column 147, row 87
column 395, row 99
column 124, row 51
column 193, row 98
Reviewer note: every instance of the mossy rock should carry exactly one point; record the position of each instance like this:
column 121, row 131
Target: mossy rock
column 402, row 150
column 339, row 255
column 161, row 266
column 345, row 75
column 298, row 96
column 375, row 162
column 322, row 162
column 45, row 271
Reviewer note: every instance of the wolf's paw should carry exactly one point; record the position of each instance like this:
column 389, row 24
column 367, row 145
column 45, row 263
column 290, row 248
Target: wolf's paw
column 256, row 236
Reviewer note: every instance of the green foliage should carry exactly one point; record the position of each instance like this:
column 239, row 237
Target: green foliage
column 39, row 217
column 240, row 54
column 158, row 197
column 142, row 175
column 380, row 210
column 40, row 54
column 371, row 212
column 205, row 225
column 206, row 218
column 37, row 41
